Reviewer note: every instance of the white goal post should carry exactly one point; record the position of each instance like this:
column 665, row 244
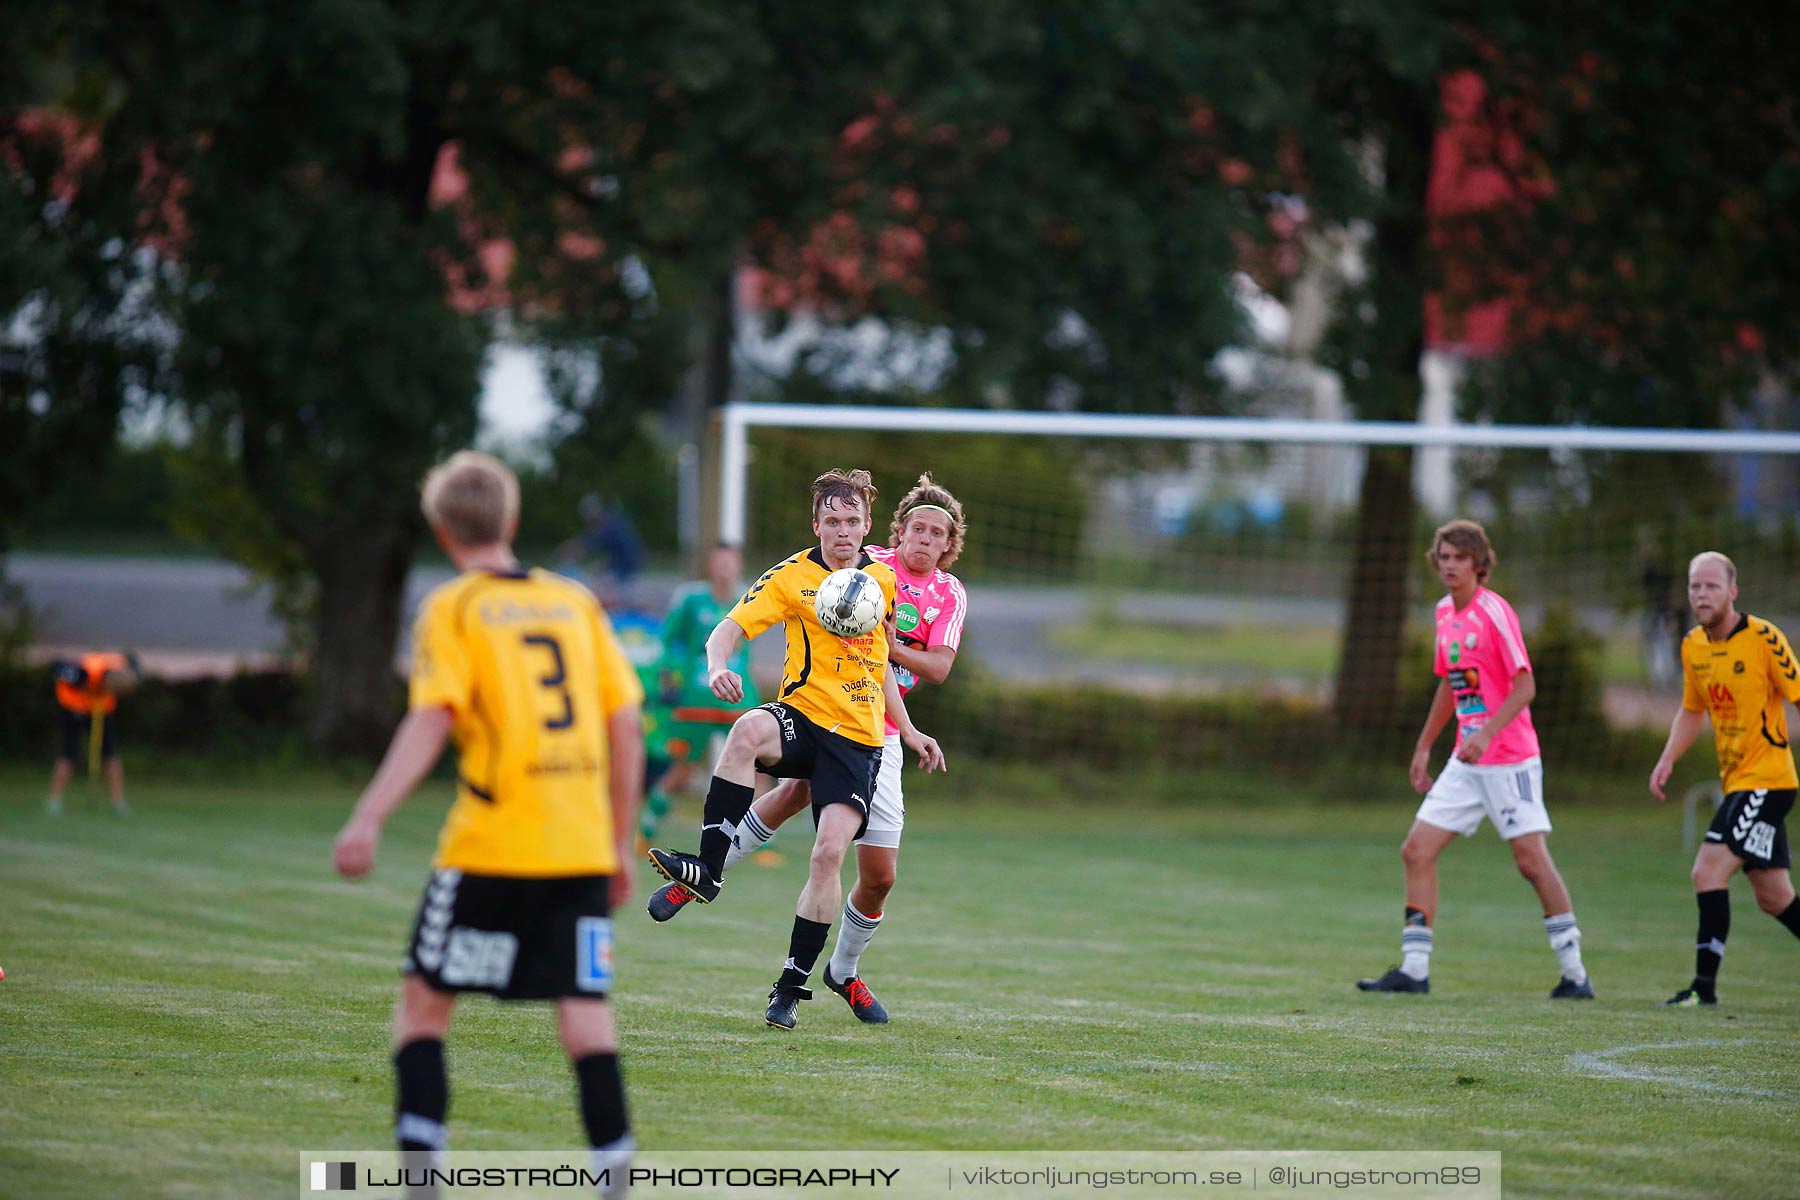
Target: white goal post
column 740, row 418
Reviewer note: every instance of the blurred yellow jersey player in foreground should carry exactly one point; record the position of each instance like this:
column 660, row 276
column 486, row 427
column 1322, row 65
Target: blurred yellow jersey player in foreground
column 522, row 669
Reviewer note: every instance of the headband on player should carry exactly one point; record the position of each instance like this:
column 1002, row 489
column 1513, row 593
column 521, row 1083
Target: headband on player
column 936, row 507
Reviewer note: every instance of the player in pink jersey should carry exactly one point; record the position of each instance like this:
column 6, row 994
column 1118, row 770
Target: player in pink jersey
column 1485, row 680
column 926, row 536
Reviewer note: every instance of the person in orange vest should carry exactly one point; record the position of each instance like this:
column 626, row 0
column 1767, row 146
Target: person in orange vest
column 87, row 697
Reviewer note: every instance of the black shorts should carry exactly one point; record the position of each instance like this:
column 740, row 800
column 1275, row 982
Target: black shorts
column 841, row 771
column 1753, row 826
column 77, row 729
column 518, row 939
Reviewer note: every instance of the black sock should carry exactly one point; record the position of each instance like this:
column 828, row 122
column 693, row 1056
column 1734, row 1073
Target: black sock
column 803, row 951
column 725, row 801
column 1709, row 945
column 422, row 1095
column 1790, row 916
column 602, row 1091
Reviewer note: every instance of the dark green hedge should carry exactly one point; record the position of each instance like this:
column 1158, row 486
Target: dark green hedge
column 252, row 713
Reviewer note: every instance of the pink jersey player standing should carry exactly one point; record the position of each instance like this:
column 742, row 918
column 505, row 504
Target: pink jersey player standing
column 1485, row 682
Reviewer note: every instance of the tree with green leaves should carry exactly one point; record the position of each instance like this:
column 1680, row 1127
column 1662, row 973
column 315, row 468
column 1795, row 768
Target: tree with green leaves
column 1641, row 235
column 1061, row 189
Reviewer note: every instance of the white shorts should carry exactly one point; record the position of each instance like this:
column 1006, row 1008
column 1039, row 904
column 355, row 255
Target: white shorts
column 888, row 813
column 1510, row 795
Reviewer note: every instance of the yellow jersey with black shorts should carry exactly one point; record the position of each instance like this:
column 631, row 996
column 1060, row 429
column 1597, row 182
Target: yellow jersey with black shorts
column 1743, row 683
column 831, row 709
column 834, row 681
column 529, row 667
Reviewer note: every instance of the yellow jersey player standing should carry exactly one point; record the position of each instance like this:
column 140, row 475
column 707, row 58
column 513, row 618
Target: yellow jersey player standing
column 827, row 725
column 1738, row 670
column 522, row 669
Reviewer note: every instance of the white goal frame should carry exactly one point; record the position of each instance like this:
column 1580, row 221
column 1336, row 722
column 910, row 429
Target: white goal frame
column 740, row 417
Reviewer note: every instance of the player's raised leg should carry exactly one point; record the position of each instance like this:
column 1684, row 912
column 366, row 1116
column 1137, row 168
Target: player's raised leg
column 755, row 735
column 758, row 826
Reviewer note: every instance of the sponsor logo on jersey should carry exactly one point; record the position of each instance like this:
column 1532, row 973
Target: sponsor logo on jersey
column 906, row 617
column 1722, row 702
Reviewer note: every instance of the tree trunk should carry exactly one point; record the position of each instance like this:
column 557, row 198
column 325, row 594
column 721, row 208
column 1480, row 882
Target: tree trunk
column 357, row 693
column 1368, row 689
column 1389, row 389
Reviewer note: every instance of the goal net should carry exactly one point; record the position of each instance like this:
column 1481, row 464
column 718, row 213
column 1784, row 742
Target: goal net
column 1169, row 596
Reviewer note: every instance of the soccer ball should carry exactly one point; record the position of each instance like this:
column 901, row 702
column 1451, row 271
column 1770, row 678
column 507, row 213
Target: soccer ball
column 849, row 603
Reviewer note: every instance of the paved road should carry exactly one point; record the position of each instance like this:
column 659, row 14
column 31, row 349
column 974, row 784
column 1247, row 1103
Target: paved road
column 199, row 615
column 214, row 610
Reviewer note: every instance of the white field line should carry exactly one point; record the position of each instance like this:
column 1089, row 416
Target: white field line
column 1600, row 1062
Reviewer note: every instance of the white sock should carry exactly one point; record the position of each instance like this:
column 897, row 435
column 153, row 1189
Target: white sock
column 1415, row 950
column 615, row 1161
column 747, row 838
column 1565, row 939
column 854, row 936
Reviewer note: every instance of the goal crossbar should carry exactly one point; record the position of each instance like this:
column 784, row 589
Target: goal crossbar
column 740, row 418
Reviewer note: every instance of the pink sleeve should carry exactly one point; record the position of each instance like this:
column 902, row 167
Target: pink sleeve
column 1439, row 666
column 1512, row 645
column 947, row 629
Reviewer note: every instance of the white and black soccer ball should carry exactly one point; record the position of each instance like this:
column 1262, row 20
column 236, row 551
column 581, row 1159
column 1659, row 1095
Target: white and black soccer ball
column 849, row 602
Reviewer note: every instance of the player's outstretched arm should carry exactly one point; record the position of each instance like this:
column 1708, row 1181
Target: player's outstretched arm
column 409, row 758
column 721, row 644
column 1682, row 732
column 625, row 789
column 931, row 666
column 931, row 757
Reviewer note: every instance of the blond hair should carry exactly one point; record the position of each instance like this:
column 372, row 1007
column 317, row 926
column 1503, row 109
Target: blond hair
column 1469, row 537
column 844, row 486
column 1713, row 556
column 473, row 497
column 929, row 493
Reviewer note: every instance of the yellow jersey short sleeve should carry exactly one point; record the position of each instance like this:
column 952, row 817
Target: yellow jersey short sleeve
column 440, row 667
column 531, row 671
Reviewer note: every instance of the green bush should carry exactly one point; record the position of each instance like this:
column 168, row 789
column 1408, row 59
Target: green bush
column 254, row 713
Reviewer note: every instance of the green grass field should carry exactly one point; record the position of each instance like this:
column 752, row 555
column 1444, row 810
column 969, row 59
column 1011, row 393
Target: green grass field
column 191, row 996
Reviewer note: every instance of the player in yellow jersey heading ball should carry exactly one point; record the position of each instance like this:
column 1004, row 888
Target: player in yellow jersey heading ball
column 1738, row 670
column 827, row 725
column 523, row 670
